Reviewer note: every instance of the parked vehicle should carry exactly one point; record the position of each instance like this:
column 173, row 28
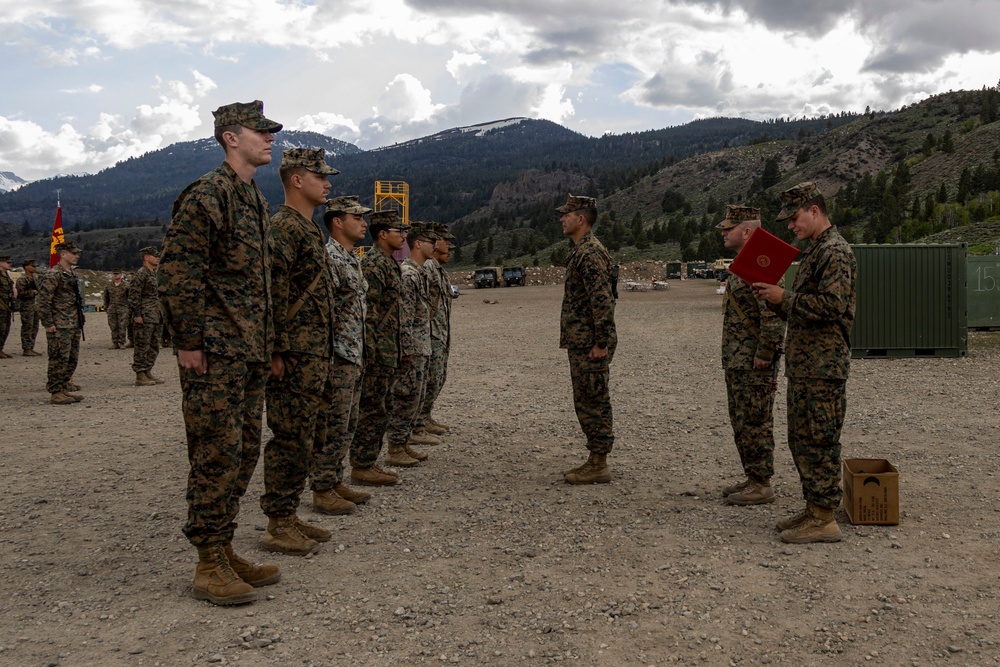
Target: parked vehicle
column 488, row 277
column 514, row 275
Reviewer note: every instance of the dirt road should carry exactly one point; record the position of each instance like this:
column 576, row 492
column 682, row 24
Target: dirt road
column 483, row 555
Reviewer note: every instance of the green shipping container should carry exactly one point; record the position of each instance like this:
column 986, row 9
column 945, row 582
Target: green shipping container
column 984, row 292
column 912, row 301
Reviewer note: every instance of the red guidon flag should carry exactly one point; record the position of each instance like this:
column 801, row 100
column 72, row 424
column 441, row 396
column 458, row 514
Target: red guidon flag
column 57, row 237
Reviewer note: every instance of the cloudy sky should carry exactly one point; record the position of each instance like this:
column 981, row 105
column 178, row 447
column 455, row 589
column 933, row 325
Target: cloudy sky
column 86, row 83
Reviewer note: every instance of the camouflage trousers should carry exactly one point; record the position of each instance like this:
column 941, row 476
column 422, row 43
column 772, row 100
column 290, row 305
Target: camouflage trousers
column 751, row 402
column 437, row 373
column 592, row 399
column 336, row 425
column 118, row 323
column 406, row 398
column 29, row 329
column 5, row 318
column 222, row 417
column 295, row 403
column 372, row 416
column 64, row 353
column 147, row 346
column 816, row 410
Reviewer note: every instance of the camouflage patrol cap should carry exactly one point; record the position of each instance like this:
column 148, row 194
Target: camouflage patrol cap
column 793, row 198
column 310, row 159
column 422, row 229
column 577, row 202
column 5, row 258
column 737, row 214
column 69, row 246
column 29, row 262
column 347, row 204
column 116, row 270
column 442, row 231
column 387, row 219
column 248, row 114
column 149, row 250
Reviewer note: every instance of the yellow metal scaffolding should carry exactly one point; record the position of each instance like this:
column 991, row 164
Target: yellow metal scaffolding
column 393, row 195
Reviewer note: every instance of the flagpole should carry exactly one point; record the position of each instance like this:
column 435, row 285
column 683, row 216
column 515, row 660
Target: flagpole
column 57, row 233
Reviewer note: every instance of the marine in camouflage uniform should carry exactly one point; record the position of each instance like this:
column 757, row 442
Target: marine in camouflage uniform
column 751, row 343
column 60, row 309
column 116, row 305
column 146, row 319
column 27, row 290
column 215, row 293
column 338, row 420
column 437, row 366
column 819, row 309
column 588, row 334
column 6, row 302
column 382, row 301
column 301, row 371
column 414, row 349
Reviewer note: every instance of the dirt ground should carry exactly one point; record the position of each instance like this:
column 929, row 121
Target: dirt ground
column 483, row 555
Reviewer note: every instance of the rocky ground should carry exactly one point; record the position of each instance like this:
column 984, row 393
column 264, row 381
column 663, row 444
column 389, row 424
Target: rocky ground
column 483, row 555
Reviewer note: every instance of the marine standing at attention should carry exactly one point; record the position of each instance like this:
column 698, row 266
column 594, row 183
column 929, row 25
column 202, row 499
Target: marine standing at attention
column 819, row 309
column 60, row 309
column 587, row 333
column 146, row 319
column 437, row 366
column 300, row 386
column 381, row 347
column 116, row 305
column 214, row 283
column 27, row 290
column 338, row 418
column 751, row 343
column 6, row 302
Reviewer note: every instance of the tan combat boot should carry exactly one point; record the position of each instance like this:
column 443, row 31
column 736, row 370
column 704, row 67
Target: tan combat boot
column 142, row 381
column 347, row 493
column 311, row 531
column 819, row 526
column 76, row 397
column 374, row 476
column 792, row 521
column 414, row 453
column 71, row 386
column 433, row 429
column 329, row 502
column 734, row 488
column 594, row 471
column 129, row 345
column 32, row 353
column 754, row 493
column 255, row 575
column 421, row 437
column 433, row 422
column 59, row 398
column 115, row 346
column 149, row 374
column 397, row 456
column 4, row 355
column 215, row 580
column 284, row 536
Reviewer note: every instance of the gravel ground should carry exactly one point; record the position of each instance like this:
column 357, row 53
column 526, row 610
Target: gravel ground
column 483, row 555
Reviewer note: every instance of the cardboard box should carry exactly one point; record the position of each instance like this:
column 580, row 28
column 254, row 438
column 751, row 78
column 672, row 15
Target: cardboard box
column 871, row 492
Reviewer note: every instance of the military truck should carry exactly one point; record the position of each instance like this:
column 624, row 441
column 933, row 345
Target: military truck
column 488, row 276
column 697, row 270
column 514, row 275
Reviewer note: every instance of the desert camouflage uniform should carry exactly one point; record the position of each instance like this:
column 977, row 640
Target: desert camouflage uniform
column 414, row 341
column 758, row 333
column 819, row 309
column 116, row 305
column 215, row 292
column 143, row 302
column 27, row 290
column 339, row 417
column 437, row 364
column 59, row 303
column 296, row 402
column 381, row 353
column 588, row 319
column 6, row 302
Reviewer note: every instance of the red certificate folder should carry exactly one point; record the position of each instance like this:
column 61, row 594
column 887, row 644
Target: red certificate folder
column 764, row 258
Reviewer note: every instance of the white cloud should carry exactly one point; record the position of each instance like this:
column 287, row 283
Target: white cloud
column 405, row 100
column 328, row 123
column 92, row 88
column 461, row 63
